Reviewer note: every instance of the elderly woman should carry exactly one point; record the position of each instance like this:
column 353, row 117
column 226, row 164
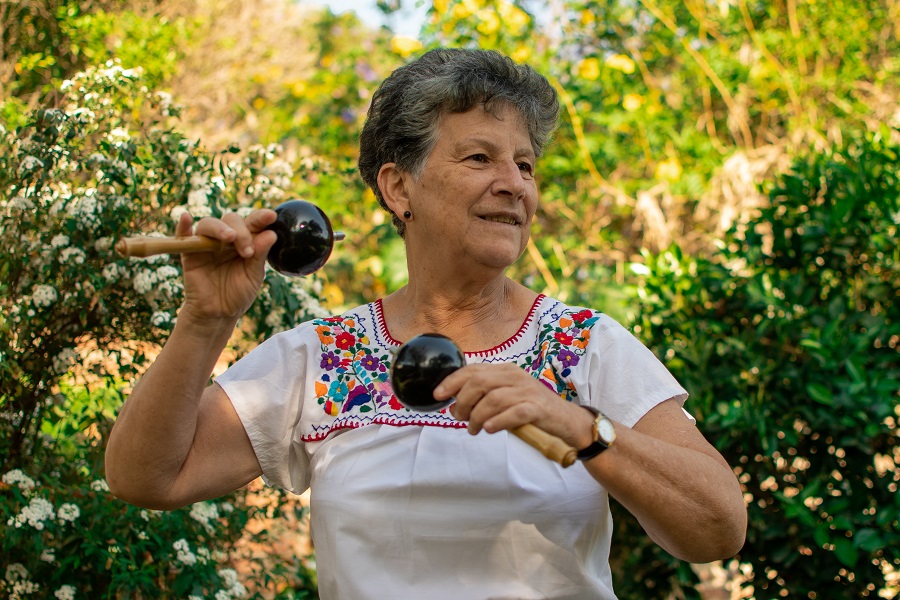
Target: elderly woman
column 445, row 504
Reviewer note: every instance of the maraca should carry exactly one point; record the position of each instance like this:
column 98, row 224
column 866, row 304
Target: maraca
column 424, row 361
column 305, row 240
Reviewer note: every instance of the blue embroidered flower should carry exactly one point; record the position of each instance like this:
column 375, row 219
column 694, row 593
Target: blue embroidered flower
column 338, row 390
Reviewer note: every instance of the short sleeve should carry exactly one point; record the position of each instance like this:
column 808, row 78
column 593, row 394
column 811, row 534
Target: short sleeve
column 624, row 379
column 267, row 388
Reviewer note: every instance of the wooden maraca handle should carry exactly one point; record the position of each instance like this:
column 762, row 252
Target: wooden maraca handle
column 142, row 247
column 549, row 445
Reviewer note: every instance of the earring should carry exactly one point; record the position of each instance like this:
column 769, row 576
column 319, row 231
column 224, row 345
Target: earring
column 407, row 215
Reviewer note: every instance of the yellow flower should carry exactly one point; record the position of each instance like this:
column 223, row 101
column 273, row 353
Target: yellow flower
column 404, row 46
column 587, row 17
column 589, row 68
column 620, row 62
column 332, row 295
column 298, row 88
column 521, row 54
column 632, row 102
column 488, row 22
column 440, row 6
column 514, row 18
column 669, row 169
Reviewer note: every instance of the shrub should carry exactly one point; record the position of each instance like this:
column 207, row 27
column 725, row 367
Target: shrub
column 78, row 323
column 788, row 342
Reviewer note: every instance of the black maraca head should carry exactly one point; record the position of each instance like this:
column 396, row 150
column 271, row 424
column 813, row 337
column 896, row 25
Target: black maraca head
column 419, row 366
column 305, row 238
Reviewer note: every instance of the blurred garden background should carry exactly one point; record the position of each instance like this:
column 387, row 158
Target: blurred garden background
column 725, row 181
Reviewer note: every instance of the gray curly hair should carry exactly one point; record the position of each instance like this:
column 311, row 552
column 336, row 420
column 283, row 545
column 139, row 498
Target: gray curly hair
column 403, row 120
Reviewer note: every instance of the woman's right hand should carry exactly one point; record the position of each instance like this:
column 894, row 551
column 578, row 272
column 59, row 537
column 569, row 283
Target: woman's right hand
column 223, row 285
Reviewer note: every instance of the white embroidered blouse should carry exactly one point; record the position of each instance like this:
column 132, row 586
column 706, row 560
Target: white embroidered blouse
column 409, row 505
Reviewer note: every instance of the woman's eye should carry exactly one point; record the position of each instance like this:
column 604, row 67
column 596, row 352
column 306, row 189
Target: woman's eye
column 526, row 167
column 478, row 157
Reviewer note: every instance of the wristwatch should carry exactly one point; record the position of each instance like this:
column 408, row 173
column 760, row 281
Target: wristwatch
column 604, row 436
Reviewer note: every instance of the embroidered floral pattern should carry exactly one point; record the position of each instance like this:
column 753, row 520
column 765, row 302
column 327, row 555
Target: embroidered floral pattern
column 561, row 344
column 354, row 372
column 353, row 384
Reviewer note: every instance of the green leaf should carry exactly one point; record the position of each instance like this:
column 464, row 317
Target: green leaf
column 868, row 539
column 846, row 552
column 819, row 393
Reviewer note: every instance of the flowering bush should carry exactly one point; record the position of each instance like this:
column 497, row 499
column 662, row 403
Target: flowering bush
column 65, row 536
column 78, row 323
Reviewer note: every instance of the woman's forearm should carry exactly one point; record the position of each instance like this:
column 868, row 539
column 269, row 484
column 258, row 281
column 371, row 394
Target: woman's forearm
column 689, row 502
column 156, row 426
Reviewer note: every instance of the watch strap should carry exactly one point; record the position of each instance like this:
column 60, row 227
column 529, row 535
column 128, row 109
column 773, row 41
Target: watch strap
column 598, row 445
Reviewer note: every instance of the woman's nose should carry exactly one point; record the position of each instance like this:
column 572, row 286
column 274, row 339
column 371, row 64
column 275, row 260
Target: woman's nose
column 509, row 179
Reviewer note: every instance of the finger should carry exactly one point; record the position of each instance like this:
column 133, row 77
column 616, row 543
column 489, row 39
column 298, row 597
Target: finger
column 183, row 227
column 498, row 408
column 215, row 228
column 263, row 240
column 514, row 415
column 243, row 238
column 258, row 220
column 482, row 398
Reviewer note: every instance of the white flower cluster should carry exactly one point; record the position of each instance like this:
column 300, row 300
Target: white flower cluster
column 205, row 513
column 44, row 295
column 165, row 102
column 83, row 206
column 273, row 173
column 29, row 164
column 37, row 511
column 72, row 255
column 232, row 587
column 66, row 592
column 160, row 318
column 16, row 583
column 65, row 360
column 100, row 485
column 68, row 512
column 112, row 272
column 82, row 115
column 111, row 73
column 18, row 478
column 183, row 552
column 198, row 197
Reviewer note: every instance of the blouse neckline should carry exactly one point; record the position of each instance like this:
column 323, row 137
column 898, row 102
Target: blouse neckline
column 386, row 334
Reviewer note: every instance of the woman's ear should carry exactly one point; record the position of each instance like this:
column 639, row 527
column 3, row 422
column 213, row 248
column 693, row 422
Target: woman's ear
column 392, row 183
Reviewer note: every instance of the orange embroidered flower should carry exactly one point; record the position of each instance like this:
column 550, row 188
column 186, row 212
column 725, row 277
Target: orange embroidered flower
column 324, row 334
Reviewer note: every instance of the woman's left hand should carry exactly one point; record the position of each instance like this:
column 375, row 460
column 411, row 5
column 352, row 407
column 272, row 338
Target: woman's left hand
column 493, row 397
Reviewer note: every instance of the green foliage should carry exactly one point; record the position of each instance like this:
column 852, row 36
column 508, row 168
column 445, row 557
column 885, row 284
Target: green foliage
column 48, row 42
column 788, row 342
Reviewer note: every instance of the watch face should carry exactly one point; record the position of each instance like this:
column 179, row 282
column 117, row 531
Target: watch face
column 606, row 430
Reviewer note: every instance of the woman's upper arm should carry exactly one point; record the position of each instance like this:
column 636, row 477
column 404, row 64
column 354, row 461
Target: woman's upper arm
column 668, row 422
column 221, row 458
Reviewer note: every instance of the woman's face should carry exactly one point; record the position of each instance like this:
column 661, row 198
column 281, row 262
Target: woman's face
column 476, row 196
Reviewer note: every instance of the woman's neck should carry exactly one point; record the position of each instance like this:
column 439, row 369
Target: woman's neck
column 476, row 317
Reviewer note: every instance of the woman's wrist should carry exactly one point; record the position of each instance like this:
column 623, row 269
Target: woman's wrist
column 204, row 325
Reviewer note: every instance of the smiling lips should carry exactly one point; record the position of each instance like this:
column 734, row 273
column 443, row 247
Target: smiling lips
column 502, row 219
